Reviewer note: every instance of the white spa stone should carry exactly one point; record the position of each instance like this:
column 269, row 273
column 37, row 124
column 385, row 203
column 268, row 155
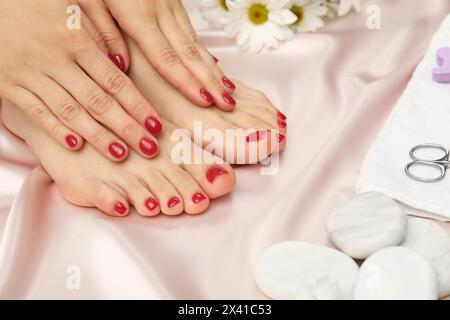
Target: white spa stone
column 369, row 222
column 299, row 270
column 396, row 273
column 432, row 241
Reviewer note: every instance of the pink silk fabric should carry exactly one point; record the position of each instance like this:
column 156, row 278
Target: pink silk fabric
column 336, row 86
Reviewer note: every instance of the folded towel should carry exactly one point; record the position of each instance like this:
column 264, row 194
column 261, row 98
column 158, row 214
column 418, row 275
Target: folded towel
column 422, row 115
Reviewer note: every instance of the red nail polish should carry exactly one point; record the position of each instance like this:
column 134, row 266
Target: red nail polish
column 227, row 82
column 281, row 116
column 117, row 150
column 214, row 172
column 206, row 95
column 280, row 137
column 255, row 136
column 173, row 202
column 71, row 140
column 228, row 98
column 215, row 59
column 118, row 60
column 197, row 197
column 151, row 204
column 120, row 208
column 281, row 124
column 153, row 125
column 148, row 146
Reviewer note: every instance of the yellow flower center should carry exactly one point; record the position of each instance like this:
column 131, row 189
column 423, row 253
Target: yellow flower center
column 258, row 14
column 299, row 12
column 223, row 4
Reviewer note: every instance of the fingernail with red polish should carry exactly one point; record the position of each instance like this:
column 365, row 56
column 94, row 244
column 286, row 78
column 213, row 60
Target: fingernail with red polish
column 120, row 208
column 197, row 197
column 151, row 204
column 71, row 141
column 214, row 172
column 281, row 124
column 173, row 202
column 255, row 136
column 228, row 98
column 281, row 116
column 227, row 82
column 153, row 125
column 206, row 95
column 118, row 60
column 280, row 137
column 117, row 150
column 148, row 146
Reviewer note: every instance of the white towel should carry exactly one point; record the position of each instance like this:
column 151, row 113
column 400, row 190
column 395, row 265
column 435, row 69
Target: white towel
column 422, row 115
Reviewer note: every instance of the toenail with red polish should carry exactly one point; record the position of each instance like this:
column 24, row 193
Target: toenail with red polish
column 151, row 204
column 117, row 150
column 228, row 98
column 228, row 83
column 173, row 202
column 153, row 125
column 214, row 172
column 71, row 141
column 281, row 124
column 197, row 197
column 118, row 60
column 148, row 146
column 280, row 137
column 120, row 208
column 206, row 95
column 281, row 116
column 255, row 136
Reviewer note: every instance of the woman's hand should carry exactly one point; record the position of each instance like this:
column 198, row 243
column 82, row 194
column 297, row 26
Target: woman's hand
column 63, row 79
column 165, row 35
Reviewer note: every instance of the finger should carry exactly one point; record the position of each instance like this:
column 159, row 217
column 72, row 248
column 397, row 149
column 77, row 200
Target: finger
column 95, row 35
column 210, row 60
column 103, row 22
column 107, row 111
column 119, row 86
column 191, row 58
column 74, row 116
column 36, row 109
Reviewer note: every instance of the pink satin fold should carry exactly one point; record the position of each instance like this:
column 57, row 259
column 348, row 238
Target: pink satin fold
column 336, row 87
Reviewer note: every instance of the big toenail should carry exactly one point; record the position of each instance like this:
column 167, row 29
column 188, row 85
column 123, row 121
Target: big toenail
column 214, row 172
column 151, row 204
column 71, row 140
column 281, row 116
column 117, row 150
column 280, row 137
column 197, row 197
column 281, row 124
column 148, row 146
column 228, row 83
column 228, row 98
column 120, row 208
column 206, row 95
column 173, row 202
column 153, row 125
column 255, row 136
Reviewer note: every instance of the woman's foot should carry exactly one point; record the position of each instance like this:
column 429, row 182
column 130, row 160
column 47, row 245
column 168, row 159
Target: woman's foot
column 87, row 179
column 255, row 126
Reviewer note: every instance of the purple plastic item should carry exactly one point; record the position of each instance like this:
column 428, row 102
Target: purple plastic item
column 442, row 73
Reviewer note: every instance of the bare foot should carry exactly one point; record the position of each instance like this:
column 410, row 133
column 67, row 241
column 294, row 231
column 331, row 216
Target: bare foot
column 88, row 179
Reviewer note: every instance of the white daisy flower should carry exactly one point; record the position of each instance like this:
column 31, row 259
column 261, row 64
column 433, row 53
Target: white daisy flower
column 346, row 5
column 215, row 12
column 259, row 23
column 333, row 7
column 308, row 14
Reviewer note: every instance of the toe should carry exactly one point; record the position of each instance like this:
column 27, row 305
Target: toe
column 110, row 201
column 140, row 196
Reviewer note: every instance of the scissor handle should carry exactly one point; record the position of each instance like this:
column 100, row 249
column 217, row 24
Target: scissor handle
column 429, row 146
column 441, row 168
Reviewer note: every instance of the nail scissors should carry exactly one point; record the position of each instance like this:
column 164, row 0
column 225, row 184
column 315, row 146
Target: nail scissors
column 440, row 163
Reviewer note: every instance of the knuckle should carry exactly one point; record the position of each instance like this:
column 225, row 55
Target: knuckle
column 38, row 112
column 98, row 103
column 194, row 37
column 169, row 57
column 69, row 111
column 97, row 138
column 115, row 81
column 109, row 37
column 55, row 129
column 213, row 80
column 192, row 53
column 139, row 108
column 130, row 130
column 98, row 38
